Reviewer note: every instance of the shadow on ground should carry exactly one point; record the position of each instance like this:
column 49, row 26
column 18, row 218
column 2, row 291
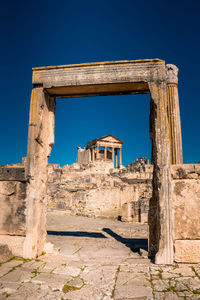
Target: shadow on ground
column 135, row 244
column 77, row 233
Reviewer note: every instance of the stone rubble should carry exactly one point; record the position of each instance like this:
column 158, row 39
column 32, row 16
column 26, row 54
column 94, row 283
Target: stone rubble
column 96, row 189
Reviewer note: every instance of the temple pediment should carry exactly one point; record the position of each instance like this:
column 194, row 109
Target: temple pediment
column 110, row 138
column 107, row 139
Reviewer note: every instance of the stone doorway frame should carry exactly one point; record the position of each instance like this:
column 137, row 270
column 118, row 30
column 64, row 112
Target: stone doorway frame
column 106, row 78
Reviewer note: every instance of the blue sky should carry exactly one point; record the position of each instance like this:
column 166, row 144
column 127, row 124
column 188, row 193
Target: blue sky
column 42, row 33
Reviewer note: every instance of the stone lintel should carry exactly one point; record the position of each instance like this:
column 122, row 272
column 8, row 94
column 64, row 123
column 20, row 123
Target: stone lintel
column 136, row 73
column 98, row 90
column 103, row 144
column 111, row 145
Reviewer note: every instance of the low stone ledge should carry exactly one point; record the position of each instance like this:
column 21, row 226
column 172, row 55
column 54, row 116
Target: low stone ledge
column 12, row 174
column 14, row 243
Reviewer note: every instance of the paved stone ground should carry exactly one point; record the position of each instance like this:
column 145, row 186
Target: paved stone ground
column 96, row 259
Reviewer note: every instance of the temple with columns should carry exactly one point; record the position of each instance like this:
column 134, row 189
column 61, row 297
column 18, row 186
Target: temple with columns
column 107, row 148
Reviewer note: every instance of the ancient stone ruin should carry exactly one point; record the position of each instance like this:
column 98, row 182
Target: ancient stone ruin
column 97, row 185
column 110, row 145
column 173, row 218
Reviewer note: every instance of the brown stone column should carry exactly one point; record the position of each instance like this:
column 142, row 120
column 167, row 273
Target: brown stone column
column 116, row 158
column 97, row 154
column 40, row 141
column 160, row 211
column 113, row 154
column 174, row 114
column 93, row 154
column 105, row 153
column 120, row 157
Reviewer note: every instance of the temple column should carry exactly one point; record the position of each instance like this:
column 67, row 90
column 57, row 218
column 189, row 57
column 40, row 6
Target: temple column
column 91, row 150
column 116, row 159
column 105, row 153
column 174, row 114
column 97, row 155
column 93, row 157
column 120, row 157
column 113, row 154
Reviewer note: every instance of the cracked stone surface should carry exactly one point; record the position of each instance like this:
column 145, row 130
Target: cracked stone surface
column 96, row 259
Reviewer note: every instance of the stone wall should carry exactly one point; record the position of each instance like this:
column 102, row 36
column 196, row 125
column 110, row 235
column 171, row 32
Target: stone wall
column 12, row 207
column 186, row 205
column 96, row 189
column 84, row 156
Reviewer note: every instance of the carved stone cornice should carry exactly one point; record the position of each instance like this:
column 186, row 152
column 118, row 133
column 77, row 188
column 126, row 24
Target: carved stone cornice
column 171, row 74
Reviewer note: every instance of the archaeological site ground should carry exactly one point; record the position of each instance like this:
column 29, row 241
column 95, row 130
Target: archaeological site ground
column 96, row 229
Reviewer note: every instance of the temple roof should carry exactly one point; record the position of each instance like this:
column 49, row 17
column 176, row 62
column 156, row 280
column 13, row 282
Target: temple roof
column 106, row 138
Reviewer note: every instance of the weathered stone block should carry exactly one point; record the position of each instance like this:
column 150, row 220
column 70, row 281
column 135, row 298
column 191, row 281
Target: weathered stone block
column 126, row 212
column 15, row 243
column 135, row 211
column 186, row 203
column 12, row 174
column 143, row 218
column 184, row 171
column 187, row 251
column 61, row 205
column 5, row 253
column 12, row 206
column 197, row 169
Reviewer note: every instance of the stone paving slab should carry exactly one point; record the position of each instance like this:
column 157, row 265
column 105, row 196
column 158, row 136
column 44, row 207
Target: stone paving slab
column 132, row 284
column 5, row 268
column 99, row 281
column 102, row 269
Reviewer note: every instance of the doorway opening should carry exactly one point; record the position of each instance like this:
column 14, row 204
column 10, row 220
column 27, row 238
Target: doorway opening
column 100, row 191
column 79, row 120
column 95, row 79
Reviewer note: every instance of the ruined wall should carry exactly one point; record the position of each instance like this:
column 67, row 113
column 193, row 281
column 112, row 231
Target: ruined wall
column 12, row 207
column 84, row 156
column 100, row 190
column 186, row 205
column 96, row 190
column 136, row 211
